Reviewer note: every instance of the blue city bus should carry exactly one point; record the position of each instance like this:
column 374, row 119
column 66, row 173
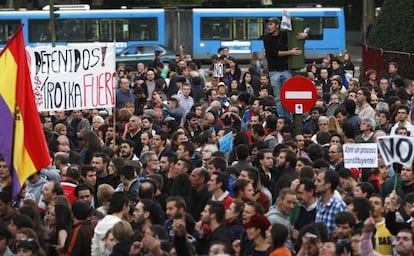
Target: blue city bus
column 124, row 27
column 201, row 30
column 242, row 29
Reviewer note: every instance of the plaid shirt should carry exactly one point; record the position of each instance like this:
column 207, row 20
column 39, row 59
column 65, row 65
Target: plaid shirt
column 327, row 214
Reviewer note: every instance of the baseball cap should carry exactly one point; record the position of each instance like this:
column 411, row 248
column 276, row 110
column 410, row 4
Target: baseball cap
column 258, row 221
column 273, row 19
column 221, row 84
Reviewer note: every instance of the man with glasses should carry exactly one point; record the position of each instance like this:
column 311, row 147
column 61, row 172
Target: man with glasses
column 336, row 156
column 402, row 120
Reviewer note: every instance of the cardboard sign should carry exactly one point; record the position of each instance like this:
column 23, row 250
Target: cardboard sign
column 360, row 155
column 73, row 77
column 396, row 149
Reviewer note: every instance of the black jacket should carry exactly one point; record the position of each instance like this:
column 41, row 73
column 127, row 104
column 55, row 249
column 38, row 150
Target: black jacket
column 221, row 234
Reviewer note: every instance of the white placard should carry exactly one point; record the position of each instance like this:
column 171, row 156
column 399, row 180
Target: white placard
column 396, row 149
column 286, row 23
column 80, row 76
column 218, row 70
column 360, row 155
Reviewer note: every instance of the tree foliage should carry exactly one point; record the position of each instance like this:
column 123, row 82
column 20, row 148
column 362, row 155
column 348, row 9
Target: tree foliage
column 394, row 28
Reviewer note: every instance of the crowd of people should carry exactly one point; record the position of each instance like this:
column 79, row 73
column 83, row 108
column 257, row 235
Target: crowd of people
column 150, row 178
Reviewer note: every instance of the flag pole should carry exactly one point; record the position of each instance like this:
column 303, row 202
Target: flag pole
column 114, row 113
column 52, row 23
column 395, row 181
column 14, row 174
column 15, row 178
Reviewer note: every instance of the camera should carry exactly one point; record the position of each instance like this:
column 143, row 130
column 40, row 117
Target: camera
column 341, row 245
column 312, row 238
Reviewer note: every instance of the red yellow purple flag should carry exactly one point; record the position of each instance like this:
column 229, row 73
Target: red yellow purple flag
column 22, row 141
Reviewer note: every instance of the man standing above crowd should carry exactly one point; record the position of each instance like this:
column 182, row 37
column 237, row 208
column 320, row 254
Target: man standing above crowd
column 276, row 47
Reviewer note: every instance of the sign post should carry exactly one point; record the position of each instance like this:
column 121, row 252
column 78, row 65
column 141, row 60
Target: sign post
column 298, row 95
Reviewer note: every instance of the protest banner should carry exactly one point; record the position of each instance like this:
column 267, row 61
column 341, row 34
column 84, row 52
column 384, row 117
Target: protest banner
column 79, row 76
column 360, row 155
column 396, row 149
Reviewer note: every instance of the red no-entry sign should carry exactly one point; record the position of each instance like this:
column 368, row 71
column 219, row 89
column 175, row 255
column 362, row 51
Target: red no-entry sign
column 298, row 95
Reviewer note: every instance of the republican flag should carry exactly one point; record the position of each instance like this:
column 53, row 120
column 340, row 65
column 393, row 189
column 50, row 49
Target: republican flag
column 22, row 141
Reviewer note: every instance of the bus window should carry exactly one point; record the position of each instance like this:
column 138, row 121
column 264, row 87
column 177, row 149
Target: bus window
column 330, row 22
column 39, row 31
column 239, row 29
column 314, row 27
column 92, row 30
column 70, row 30
column 7, row 29
column 106, row 30
column 254, row 28
column 215, row 28
column 121, row 30
column 143, row 29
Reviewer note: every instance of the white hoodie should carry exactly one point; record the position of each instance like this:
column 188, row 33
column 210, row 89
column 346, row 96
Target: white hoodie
column 98, row 246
